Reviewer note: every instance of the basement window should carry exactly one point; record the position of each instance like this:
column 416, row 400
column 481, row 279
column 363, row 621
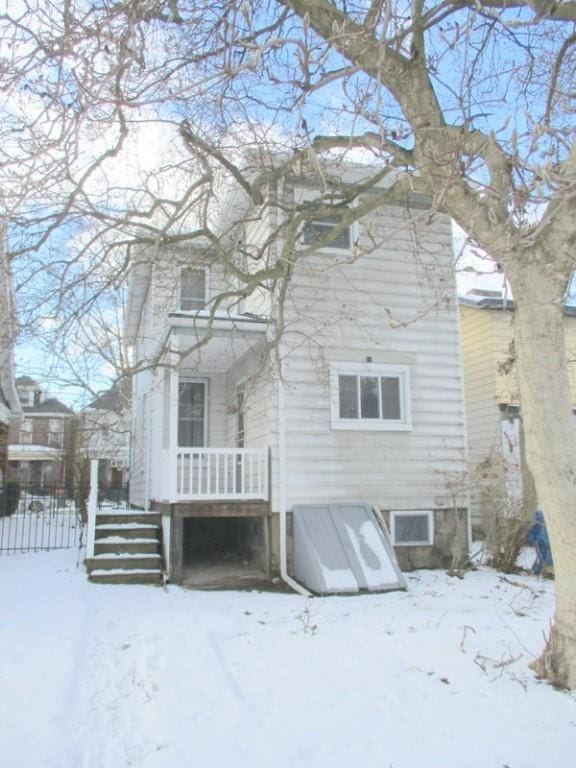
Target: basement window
column 412, row 528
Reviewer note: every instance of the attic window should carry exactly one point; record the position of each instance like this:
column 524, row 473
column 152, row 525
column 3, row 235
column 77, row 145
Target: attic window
column 193, row 289
column 318, row 228
column 412, row 528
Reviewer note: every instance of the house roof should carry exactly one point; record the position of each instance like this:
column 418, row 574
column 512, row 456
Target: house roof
column 481, row 299
column 50, row 405
column 27, row 381
column 113, row 399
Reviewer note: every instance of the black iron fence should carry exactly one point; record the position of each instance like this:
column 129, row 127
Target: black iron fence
column 36, row 518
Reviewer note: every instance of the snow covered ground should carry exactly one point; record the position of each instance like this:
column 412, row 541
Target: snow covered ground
column 97, row 676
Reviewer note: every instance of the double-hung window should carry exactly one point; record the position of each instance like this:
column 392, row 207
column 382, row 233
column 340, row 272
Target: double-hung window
column 193, row 289
column 192, row 411
column 370, row 396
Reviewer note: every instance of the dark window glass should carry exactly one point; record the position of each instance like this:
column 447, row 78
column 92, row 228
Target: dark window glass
column 193, row 289
column 191, row 414
column 369, row 407
column 411, row 528
column 390, row 398
column 240, row 419
column 348, row 396
column 315, row 230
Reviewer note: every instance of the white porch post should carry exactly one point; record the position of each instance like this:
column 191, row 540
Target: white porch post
column 173, row 431
column 92, row 507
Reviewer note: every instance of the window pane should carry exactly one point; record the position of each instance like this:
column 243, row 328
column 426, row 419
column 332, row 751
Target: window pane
column 240, row 420
column 391, row 398
column 193, row 289
column 190, row 434
column 191, row 400
column 314, row 230
column 411, row 528
column 369, row 397
column 348, row 396
column 191, row 413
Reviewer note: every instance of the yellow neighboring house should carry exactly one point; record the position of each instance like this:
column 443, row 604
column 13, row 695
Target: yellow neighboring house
column 499, row 478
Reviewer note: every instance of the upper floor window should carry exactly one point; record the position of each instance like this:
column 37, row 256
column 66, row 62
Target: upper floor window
column 318, row 228
column 370, row 396
column 56, row 439
column 193, row 289
column 26, row 432
column 25, row 397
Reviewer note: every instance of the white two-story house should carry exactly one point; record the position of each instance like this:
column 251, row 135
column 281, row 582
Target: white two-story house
column 335, row 380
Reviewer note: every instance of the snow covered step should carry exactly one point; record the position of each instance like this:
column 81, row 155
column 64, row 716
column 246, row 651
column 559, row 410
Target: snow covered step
column 127, row 531
column 121, row 544
column 126, row 576
column 135, row 561
column 126, row 548
column 128, row 516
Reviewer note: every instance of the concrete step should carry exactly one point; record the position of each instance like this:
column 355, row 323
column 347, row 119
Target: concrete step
column 126, row 562
column 116, row 545
column 129, row 516
column 127, row 531
column 121, row 576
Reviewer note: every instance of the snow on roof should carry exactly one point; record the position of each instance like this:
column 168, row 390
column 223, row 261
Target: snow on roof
column 479, row 298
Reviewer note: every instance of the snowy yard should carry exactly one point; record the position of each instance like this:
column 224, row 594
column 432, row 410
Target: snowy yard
column 97, row 676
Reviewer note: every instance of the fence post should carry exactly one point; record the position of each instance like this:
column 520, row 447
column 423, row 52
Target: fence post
column 92, row 507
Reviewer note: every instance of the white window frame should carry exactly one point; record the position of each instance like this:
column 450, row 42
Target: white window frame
column 384, row 370
column 428, row 513
column 304, row 196
column 325, row 222
column 199, row 268
column 206, row 383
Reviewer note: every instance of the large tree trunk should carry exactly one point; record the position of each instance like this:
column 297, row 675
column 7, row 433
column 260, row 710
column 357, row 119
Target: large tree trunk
column 546, row 404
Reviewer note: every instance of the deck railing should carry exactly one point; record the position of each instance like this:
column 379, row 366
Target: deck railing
column 221, row 473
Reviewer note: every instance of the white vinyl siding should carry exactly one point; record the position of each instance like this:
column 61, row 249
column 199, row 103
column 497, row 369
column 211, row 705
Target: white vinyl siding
column 374, row 308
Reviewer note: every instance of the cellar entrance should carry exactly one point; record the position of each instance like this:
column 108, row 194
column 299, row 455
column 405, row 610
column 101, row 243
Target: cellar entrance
column 224, row 552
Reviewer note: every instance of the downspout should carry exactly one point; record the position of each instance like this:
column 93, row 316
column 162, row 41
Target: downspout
column 280, row 408
column 464, row 403
column 148, row 459
column 282, row 494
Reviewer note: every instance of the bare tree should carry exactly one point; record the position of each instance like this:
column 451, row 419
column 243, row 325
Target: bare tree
column 468, row 101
